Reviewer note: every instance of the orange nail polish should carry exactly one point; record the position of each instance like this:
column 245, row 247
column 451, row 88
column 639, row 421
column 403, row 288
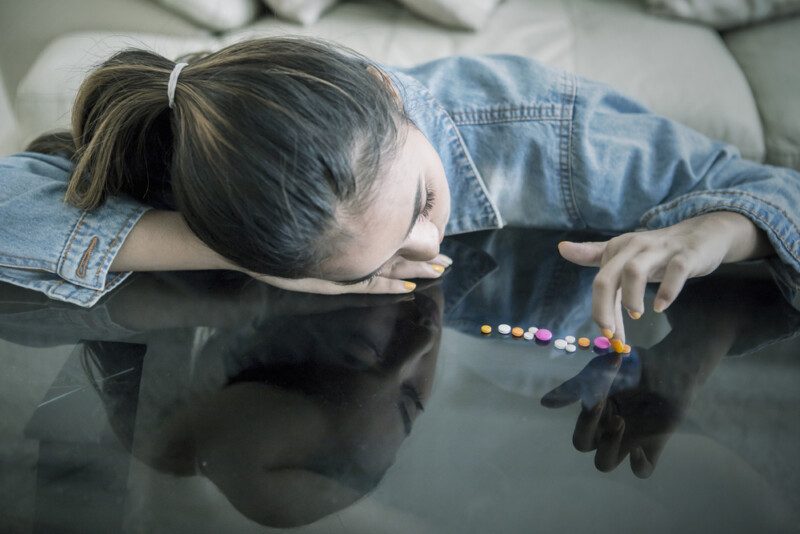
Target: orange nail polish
column 607, row 333
column 634, row 315
column 438, row 268
column 409, row 286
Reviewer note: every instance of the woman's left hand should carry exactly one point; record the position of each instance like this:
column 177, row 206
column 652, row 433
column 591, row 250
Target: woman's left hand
column 694, row 247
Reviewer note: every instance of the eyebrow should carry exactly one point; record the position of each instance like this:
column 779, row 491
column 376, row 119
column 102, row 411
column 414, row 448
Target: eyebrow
column 414, row 217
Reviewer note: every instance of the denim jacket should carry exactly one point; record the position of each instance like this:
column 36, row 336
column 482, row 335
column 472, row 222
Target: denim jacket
column 521, row 144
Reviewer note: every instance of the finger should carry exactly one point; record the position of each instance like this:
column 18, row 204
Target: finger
column 640, row 465
column 604, row 291
column 587, row 254
column 619, row 330
column 404, row 269
column 607, row 457
column 677, row 272
column 442, row 259
column 563, row 395
column 583, row 439
column 635, row 274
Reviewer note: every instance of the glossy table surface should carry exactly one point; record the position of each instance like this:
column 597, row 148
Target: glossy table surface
column 207, row 402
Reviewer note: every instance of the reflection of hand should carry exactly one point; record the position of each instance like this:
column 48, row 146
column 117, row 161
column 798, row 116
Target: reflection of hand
column 389, row 281
column 620, row 414
column 694, row 247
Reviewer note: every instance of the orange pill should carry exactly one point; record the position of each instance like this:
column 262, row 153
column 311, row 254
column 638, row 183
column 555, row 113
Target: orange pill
column 486, row 329
column 517, row 331
column 617, row 345
column 584, row 342
column 626, row 349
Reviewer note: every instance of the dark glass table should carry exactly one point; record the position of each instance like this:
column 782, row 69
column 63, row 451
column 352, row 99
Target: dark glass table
column 207, row 402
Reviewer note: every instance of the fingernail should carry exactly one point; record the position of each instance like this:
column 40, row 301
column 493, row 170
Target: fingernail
column 409, row 286
column 618, row 345
column 607, row 333
column 658, row 306
column 437, row 267
column 447, row 260
column 634, row 315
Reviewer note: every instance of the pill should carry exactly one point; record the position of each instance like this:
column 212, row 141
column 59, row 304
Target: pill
column 528, row 335
column 626, row 349
column 560, row 344
column 584, row 342
column 571, row 348
column 543, row 334
column 504, row 329
column 602, row 342
column 533, row 330
column 617, row 345
column 486, row 329
column 517, row 331
column 570, row 339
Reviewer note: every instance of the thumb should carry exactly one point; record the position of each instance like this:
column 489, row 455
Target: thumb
column 588, row 254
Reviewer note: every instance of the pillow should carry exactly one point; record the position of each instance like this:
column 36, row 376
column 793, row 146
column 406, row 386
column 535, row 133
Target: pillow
column 465, row 14
column 218, row 15
column 724, row 14
column 303, row 11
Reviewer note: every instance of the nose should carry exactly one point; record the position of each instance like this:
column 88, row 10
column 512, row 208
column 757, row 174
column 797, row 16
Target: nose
column 422, row 243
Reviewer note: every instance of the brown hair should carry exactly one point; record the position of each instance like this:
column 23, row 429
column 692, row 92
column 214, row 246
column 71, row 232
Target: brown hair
column 266, row 140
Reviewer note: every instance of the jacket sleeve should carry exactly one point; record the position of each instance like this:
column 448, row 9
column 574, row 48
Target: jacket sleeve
column 631, row 169
column 50, row 246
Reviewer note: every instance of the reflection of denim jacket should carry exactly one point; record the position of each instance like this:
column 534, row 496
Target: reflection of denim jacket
column 542, row 147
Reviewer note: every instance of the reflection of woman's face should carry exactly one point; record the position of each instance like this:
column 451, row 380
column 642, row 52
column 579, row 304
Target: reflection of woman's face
column 253, row 438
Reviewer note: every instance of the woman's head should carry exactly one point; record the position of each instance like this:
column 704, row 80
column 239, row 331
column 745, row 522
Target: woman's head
column 290, row 157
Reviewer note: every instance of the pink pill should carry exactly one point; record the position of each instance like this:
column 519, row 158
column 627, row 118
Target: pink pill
column 543, row 334
column 602, row 342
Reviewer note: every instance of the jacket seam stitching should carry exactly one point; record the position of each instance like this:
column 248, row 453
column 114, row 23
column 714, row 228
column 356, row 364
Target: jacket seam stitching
column 111, row 246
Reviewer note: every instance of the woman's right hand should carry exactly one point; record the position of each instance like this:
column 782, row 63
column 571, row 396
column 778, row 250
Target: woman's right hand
column 392, row 279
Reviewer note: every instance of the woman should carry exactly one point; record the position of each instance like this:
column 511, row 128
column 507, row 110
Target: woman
column 314, row 169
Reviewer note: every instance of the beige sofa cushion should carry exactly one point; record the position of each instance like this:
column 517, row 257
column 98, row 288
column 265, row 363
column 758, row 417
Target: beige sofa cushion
column 770, row 57
column 682, row 71
column 725, row 14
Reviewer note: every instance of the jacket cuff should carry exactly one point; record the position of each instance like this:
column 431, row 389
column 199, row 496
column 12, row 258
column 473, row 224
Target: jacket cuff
column 95, row 241
column 779, row 227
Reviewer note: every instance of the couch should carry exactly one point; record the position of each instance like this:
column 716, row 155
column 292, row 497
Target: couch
column 740, row 86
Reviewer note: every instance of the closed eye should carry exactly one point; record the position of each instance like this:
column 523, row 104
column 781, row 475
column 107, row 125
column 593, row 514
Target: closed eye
column 429, row 199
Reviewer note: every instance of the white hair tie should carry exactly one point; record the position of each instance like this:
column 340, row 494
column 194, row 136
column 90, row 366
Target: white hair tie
column 173, row 82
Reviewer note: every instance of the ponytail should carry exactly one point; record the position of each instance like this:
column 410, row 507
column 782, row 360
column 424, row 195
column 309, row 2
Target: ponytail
column 121, row 128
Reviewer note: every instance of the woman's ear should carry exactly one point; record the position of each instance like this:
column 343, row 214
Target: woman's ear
column 384, row 78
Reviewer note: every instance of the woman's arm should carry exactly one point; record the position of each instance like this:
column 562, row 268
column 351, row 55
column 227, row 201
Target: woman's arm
column 162, row 241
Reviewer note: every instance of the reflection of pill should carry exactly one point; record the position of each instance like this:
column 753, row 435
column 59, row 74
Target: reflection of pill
column 584, row 342
column 533, row 330
column 486, row 329
column 560, row 344
column 504, row 329
column 602, row 342
column 528, row 335
column 617, row 345
column 626, row 349
column 570, row 339
column 543, row 334
column 571, row 348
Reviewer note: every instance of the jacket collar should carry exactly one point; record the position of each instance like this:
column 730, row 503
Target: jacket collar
column 471, row 207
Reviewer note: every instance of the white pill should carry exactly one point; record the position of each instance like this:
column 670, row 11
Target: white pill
column 533, row 330
column 570, row 339
column 528, row 335
column 571, row 348
column 560, row 344
column 504, row 329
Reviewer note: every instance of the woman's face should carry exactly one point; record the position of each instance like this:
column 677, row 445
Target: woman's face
column 405, row 219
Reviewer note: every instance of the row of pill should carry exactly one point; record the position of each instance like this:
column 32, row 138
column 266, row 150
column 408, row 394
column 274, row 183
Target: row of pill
column 567, row 343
